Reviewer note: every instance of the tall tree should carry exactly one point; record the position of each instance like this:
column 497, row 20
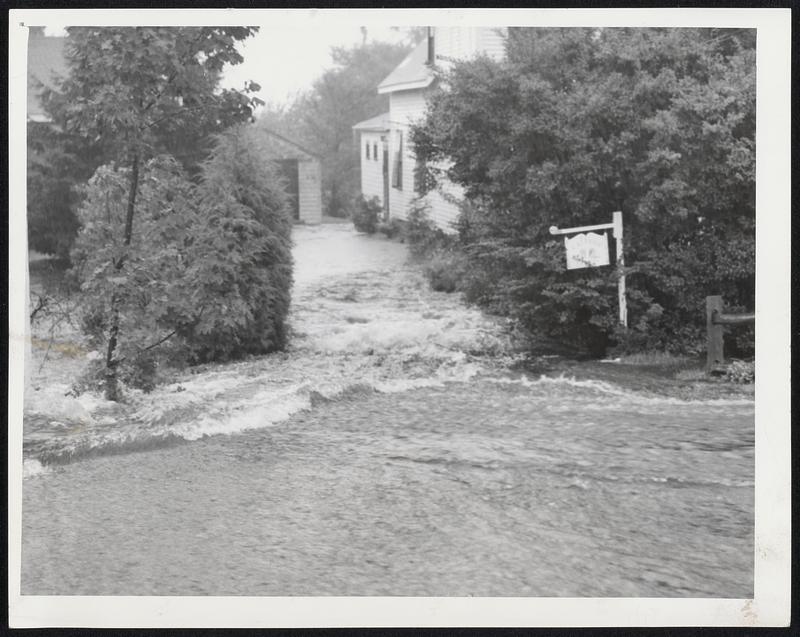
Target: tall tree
column 129, row 92
column 135, row 91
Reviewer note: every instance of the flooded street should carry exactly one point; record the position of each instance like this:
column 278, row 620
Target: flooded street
column 390, row 451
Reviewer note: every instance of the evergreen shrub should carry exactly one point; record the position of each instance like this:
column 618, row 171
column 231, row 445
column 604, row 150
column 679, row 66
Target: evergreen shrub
column 366, row 213
column 208, row 273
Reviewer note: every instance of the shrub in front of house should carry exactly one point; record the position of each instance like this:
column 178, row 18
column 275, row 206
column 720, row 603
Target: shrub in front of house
column 566, row 130
column 424, row 237
column 366, row 213
column 444, row 271
column 392, row 228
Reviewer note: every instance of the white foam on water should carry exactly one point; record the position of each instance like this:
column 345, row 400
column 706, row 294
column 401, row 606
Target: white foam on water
column 32, row 467
column 617, row 391
column 58, row 403
column 363, row 318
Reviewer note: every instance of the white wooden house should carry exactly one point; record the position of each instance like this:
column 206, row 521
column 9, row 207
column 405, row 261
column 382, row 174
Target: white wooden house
column 389, row 175
column 374, row 149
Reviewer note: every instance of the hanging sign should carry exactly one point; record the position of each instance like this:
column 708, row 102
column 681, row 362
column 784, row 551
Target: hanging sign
column 586, row 250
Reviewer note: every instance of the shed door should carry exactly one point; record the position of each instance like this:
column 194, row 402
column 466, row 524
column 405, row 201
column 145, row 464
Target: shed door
column 288, row 169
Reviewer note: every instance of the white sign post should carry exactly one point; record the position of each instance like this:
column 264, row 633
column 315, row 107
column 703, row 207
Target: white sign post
column 586, row 250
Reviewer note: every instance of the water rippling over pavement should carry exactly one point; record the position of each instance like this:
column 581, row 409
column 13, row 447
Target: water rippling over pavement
column 389, row 451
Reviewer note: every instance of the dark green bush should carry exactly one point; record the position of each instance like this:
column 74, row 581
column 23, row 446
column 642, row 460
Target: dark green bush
column 366, row 213
column 424, row 237
column 443, row 271
column 576, row 124
column 241, row 261
column 208, row 274
column 392, row 228
column 57, row 163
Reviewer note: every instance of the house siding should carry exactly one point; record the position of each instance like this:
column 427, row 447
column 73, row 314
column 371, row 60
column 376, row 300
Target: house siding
column 310, row 191
column 408, row 106
column 492, row 42
column 461, row 43
column 405, row 108
column 372, row 168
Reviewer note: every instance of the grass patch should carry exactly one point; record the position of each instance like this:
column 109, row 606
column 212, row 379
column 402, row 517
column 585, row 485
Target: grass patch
column 657, row 359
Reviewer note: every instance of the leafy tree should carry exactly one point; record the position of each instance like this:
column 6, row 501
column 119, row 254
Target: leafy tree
column 577, row 123
column 322, row 119
column 208, row 271
column 57, row 162
column 131, row 90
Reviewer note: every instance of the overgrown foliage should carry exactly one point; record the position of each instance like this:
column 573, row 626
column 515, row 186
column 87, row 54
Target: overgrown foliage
column 136, row 93
column 207, row 274
column 577, row 123
column 242, row 265
column 366, row 213
column 129, row 92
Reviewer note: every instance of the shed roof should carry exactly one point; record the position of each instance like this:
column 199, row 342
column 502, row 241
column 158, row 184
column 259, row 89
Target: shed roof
column 45, row 60
column 284, row 146
column 379, row 123
column 411, row 73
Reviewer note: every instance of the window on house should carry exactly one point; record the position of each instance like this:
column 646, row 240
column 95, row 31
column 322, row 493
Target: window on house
column 397, row 168
column 367, row 150
column 375, row 152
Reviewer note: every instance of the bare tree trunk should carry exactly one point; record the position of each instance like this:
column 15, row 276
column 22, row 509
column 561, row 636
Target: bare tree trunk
column 111, row 385
column 131, row 200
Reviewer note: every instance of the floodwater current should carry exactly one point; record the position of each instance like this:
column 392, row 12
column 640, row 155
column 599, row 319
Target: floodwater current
column 390, row 451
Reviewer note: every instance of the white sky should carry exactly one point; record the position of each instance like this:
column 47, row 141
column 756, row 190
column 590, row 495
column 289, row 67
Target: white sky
column 286, row 59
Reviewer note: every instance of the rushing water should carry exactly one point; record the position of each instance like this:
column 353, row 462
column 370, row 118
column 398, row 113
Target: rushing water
column 389, row 452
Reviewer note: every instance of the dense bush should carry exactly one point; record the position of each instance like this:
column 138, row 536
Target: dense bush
column 423, row 236
column 96, row 104
column 208, row 272
column 578, row 123
column 365, row 214
column 392, row 228
column 741, row 372
column 443, row 271
column 242, row 261
column 57, row 163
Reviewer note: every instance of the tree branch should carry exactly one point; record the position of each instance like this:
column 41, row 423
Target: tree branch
column 159, row 341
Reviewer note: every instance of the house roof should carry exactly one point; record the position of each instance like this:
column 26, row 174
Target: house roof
column 411, row 73
column 45, row 60
column 379, row 123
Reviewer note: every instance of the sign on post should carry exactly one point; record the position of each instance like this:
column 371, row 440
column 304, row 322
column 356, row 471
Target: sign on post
column 588, row 249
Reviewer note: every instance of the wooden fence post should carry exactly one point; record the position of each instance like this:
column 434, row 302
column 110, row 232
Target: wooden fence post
column 715, row 356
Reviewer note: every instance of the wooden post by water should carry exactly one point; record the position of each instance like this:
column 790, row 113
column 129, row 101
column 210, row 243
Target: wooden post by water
column 714, row 356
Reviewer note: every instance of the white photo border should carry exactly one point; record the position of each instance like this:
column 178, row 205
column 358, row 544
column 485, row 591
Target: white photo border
column 770, row 605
